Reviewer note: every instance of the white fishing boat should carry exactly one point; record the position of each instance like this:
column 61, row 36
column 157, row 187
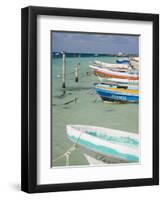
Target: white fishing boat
column 118, row 81
column 129, row 87
column 106, row 142
column 108, row 73
column 110, row 65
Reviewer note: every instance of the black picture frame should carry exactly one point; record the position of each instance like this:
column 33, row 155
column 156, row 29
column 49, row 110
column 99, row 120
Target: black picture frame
column 29, row 99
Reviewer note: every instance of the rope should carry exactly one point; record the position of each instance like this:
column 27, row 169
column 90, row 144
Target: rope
column 68, row 152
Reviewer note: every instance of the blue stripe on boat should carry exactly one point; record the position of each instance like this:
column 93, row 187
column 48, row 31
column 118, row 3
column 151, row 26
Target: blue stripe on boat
column 122, row 61
column 113, row 139
column 105, row 150
column 120, row 96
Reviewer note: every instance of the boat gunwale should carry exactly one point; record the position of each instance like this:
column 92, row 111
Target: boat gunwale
column 121, row 148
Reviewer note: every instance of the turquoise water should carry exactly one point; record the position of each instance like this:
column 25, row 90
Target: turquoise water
column 81, row 105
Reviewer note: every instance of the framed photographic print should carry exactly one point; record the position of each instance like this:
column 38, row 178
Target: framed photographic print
column 90, row 99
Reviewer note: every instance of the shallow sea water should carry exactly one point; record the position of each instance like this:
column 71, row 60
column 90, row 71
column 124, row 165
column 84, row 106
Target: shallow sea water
column 88, row 109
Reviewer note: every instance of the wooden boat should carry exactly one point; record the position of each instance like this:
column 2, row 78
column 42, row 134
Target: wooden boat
column 103, row 72
column 122, row 61
column 110, row 93
column 118, row 81
column 109, row 86
column 110, row 65
column 106, row 142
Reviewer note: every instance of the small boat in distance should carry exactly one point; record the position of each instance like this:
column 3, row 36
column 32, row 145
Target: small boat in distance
column 105, row 142
column 109, row 93
column 122, row 61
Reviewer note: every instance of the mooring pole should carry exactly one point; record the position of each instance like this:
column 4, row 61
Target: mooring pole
column 76, row 72
column 63, row 72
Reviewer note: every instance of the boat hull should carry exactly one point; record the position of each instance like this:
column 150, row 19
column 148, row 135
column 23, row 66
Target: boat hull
column 108, row 73
column 111, row 65
column 122, row 61
column 115, row 75
column 115, row 94
column 113, row 87
column 104, row 147
column 116, row 81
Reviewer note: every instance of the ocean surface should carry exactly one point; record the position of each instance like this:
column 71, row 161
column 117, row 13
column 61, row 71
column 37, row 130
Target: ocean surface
column 82, row 106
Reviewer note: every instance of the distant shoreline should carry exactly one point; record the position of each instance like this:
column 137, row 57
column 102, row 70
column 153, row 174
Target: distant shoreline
column 59, row 54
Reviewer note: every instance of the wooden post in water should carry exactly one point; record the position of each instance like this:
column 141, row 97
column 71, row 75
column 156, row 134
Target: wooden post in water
column 76, row 72
column 64, row 72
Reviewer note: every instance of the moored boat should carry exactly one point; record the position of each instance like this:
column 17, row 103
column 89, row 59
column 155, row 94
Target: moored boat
column 128, row 87
column 106, row 142
column 111, row 65
column 122, row 61
column 117, row 81
column 109, row 93
column 107, row 73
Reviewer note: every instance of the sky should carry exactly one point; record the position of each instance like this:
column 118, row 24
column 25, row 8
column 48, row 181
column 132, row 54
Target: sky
column 94, row 43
